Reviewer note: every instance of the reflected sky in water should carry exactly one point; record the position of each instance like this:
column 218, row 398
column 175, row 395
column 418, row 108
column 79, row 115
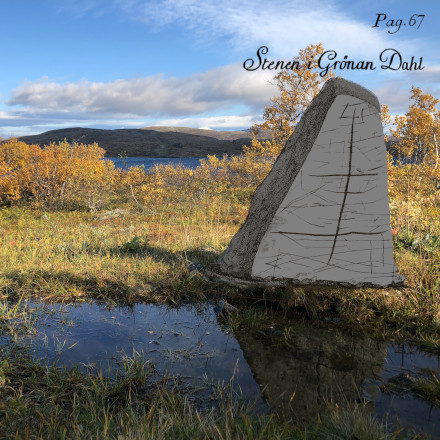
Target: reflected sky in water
column 316, row 366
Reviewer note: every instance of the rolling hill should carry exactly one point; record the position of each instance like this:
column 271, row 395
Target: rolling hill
column 151, row 141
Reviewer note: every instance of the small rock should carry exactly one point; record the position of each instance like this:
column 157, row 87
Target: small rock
column 194, row 266
column 197, row 270
column 275, row 332
column 223, row 306
column 44, row 217
column 334, row 319
column 403, row 379
column 113, row 213
column 144, row 289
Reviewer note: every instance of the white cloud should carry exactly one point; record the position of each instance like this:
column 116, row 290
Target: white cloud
column 149, row 96
column 214, row 122
column 395, row 97
column 430, row 74
column 46, row 105
column 285, row 26
column 7, row 116
column 396, row 92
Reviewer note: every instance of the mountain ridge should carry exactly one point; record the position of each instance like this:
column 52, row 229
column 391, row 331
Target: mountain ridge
column 151, row 141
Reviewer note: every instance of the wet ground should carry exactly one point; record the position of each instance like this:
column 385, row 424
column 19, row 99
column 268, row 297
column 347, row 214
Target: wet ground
column 298, row 374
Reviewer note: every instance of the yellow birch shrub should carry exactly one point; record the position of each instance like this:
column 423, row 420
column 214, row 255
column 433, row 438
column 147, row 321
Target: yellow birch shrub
column 13, row 156
column 296, row 88
column 92, row 179
column 176, row 183
column 414, row 172
column 131, row 184
column 56, row 176
column 9, row 190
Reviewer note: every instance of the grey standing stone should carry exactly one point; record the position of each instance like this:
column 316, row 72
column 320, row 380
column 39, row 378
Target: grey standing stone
column 322, row 215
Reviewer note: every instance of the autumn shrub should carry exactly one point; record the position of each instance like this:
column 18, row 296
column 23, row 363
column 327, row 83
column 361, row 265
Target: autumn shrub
column 130, row 184
column 233, row 178
column 14, row 155
column 65, row 176
column 56, row 176
column 167, row 184
column 9, row 189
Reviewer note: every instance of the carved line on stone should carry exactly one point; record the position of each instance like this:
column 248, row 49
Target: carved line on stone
column 239, row 255
column 366, row 187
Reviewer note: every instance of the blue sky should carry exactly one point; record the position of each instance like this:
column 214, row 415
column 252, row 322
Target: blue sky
column 136, row 63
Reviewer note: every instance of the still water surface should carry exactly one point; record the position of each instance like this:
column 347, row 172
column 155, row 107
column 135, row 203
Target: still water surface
column 297, row 376
column 148, row 162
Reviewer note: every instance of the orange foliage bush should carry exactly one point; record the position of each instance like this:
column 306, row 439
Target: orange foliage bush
column 14, row 155
column 296, row 88
column 229, row 177
column 414, row 174
column 170, row 184
column 58, row 176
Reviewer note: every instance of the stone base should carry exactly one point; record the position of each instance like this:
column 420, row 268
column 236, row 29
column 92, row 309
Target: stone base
column 214, row 274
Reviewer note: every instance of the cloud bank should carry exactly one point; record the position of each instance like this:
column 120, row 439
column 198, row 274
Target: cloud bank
column 156, row 95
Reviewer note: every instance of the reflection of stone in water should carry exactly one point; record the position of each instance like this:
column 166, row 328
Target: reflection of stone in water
column 316, row 367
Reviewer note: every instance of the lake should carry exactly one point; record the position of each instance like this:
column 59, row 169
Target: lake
column 149, row 162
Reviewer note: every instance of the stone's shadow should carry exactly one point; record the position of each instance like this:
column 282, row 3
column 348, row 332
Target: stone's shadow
column 301, row 375
column 142, row 250
column 160, row 254
column 97, row 286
